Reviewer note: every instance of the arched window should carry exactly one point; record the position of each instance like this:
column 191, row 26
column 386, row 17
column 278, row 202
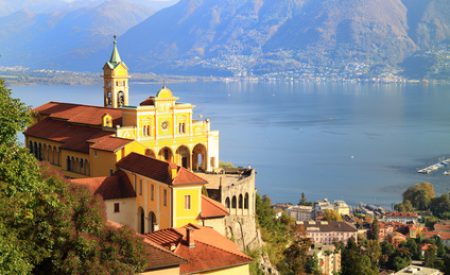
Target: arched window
column 233, row 202
column 246, row 201
column 227, row 202
column 69, row 164
column 241, row 203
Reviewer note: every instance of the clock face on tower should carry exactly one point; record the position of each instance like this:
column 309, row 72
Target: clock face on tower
column 164, row 125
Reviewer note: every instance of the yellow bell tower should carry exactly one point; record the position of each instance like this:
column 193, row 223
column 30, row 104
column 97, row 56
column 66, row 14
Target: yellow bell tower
column 115, row 77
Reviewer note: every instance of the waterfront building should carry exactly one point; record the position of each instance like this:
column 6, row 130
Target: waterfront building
column 324, row 232
column 401, row 217
column 418, row 270
column 206, row 251
column 82, row 140
column 320, row 206
column 342, row 208
column 329, row 258
column 300, row 212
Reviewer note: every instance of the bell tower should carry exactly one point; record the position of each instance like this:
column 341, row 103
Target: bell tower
column 115, row 77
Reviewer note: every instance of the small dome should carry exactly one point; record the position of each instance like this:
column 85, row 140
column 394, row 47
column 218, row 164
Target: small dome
column 164, row 93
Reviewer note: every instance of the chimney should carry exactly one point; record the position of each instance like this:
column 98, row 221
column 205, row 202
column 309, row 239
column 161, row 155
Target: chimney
column 190, row 236
column 173, row 169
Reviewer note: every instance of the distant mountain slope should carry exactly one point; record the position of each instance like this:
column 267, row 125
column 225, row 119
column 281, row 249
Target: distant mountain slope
column 264, row 36
column 56, row 39
column 343, row 38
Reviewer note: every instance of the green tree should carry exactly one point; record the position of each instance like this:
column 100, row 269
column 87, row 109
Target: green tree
column 355, row 261
column 405, row 206
column 312, row 265
column 303, row 200
column 331, row 215
column 373, row 251
column 412, row 247
column 400, row 259
column 296, row 256
column 430, row 256
column 420, row 195
column 374, row 230
column 440, row 206
column 45, row 226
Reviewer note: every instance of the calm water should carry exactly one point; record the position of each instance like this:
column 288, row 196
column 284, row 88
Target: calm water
column 353, row 142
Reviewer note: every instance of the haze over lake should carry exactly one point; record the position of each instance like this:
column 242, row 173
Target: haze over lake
column 357, row 142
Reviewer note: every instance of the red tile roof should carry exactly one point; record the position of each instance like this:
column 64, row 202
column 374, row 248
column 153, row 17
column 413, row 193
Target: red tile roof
column 212, row 209
column 78, row 113
column 158, row 170
column 75, row 137
column 148, row 101
column 402, row 215
column 158, row 256
column 117, row 186
column 109, row 143
column 212, row 251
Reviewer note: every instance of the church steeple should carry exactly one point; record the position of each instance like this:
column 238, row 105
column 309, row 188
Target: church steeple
column 115, row 56
column 115, row 77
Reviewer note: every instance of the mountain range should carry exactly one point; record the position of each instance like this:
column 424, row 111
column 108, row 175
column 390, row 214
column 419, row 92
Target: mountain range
column 240, row 37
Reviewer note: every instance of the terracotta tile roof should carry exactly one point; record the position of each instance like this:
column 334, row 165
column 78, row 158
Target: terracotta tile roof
column 78, row 113
column 185, row 176
column 117, row 186
column 212, row 209
column 158, row 170
column 76, row 137
column 72, row 137
column 148, row 101
column 109, row 143
column 402, row 215
column 158, row 256
column 212, row 251
column 441, row 234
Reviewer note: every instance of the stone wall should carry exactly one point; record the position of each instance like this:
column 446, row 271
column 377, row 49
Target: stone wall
column 235, row 189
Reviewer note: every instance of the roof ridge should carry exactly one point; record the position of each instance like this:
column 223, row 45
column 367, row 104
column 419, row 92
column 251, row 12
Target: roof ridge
column 215, row 204
column 85, row 105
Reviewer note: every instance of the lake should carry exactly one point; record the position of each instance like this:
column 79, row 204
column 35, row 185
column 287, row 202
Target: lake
column 357, row 142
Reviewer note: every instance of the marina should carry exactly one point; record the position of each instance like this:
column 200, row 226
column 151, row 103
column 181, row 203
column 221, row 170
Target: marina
column 434, row 167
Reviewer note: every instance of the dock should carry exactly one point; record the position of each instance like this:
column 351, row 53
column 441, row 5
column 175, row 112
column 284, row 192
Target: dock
column 434, row 167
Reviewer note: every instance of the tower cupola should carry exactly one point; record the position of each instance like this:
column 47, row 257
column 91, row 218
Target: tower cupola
column 115, row 78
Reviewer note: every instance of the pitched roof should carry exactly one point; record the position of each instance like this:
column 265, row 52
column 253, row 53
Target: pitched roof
column 78, row 113
column 149, row 101
column 117, row 186
column 402, row 215
column 75, row 137
column 212, row 251
column 158, row 170
column 109, row 143
column 212, row 209
column 158, row 256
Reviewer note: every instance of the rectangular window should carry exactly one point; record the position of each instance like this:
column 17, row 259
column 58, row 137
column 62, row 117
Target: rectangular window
column 187, row 202
column 140, row 187
column 152, row 192
column 116, row 207
column 165, row 197
column 111, row 172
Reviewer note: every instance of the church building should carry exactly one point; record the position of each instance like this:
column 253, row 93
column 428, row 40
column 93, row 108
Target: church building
column 83, row 140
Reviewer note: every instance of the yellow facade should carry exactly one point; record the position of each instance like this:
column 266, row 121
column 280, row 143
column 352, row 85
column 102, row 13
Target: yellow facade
column 241, row 270
column 187, row 205
column 161, row 206
column 167, row 129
